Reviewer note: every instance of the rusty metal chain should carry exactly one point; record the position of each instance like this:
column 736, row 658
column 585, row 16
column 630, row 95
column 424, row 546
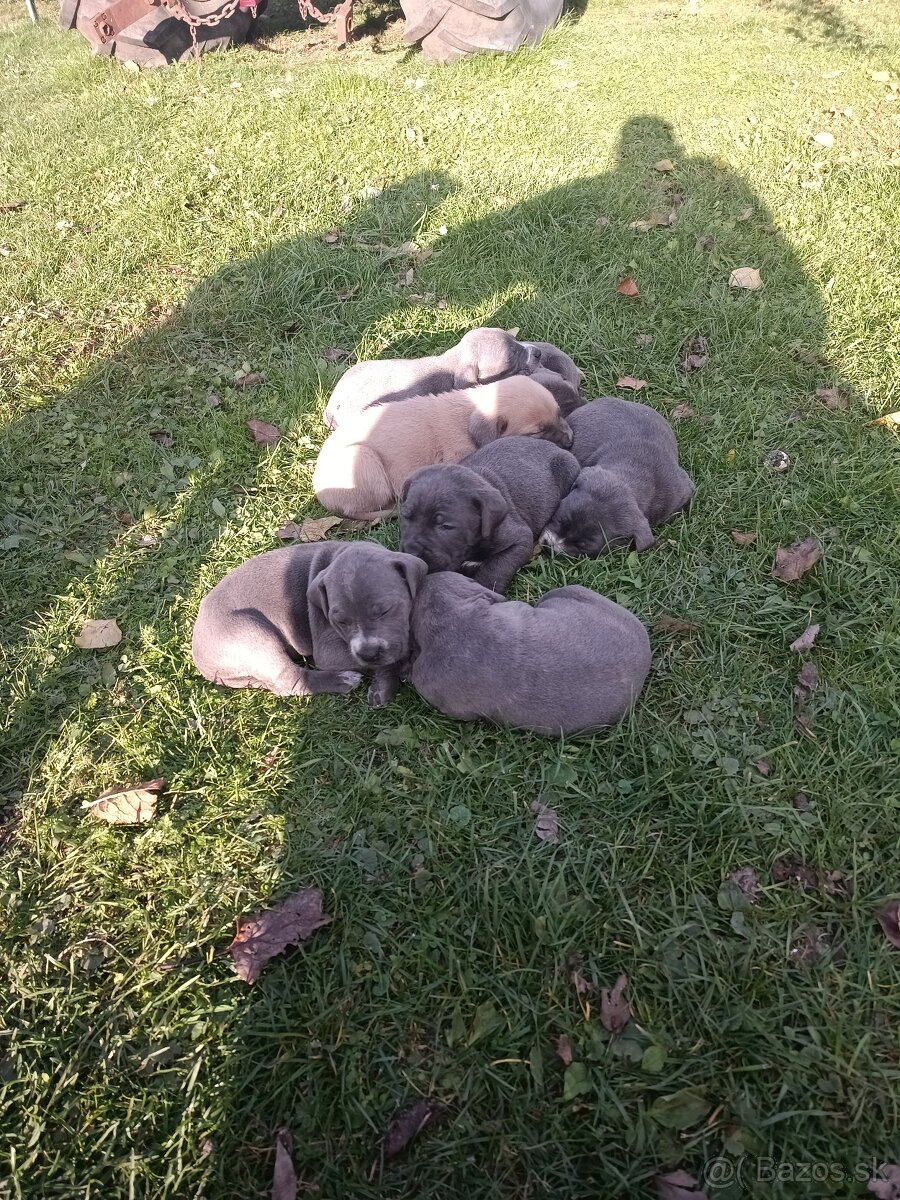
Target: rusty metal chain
column 342, row 15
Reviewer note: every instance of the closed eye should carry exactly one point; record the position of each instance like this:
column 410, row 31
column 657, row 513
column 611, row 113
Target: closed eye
column 448, row 528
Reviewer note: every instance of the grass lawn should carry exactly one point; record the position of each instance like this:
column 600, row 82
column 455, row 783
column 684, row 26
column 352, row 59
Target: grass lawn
column 173, row 236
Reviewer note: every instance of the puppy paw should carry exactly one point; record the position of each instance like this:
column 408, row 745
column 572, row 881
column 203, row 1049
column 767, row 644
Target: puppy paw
column 382, row 692
column 346, row 681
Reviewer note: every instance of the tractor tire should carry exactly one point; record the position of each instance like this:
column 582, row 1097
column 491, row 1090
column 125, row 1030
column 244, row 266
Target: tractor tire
column 452, row 29
column 157, row 38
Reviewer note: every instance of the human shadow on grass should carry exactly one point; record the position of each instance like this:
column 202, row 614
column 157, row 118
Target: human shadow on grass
column 548, row 265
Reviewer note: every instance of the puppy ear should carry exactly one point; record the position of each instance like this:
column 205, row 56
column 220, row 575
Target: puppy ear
column 483, row 430
column 492, row 508
column 413, row 571
column 317, row 593
column 404, row 491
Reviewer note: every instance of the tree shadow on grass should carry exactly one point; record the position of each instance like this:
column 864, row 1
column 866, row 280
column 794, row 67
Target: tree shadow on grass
column 303, row 1049
column 824, row 22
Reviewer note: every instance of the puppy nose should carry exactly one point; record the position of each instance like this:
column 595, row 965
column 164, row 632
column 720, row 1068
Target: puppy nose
column 566, row 436
column 369, row 651
column 551, row 540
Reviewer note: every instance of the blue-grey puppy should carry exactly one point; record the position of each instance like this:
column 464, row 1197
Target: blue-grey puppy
column 572, row 662
column 482, row 356
column 630, row 480
column 347, row 607
column 484, row 514
column 556, row 360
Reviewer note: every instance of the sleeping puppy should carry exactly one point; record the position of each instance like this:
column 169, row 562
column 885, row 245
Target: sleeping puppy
column 630, row 480
column 488, row 511
column 564, row 393
column 481, row 356
column 364, row 464
column 574, row 661
column 344, row 606
column 555, row 360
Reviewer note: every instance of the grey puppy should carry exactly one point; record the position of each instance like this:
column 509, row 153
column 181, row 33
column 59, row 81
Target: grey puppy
column 487, row 512
column 574, row 661
column 630, row 480
column 345, row 606
column 554, row 359
column 566, row 395
column 481, row 356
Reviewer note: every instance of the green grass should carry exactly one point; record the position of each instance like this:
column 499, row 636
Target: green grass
column 195, row 211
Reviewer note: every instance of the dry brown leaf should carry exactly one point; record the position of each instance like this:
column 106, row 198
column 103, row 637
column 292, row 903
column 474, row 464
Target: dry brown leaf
column 581, row 985
column 263, row 433
column 602, row 222
column 802, row 802
column 546, row 827
column 694, row 353
column 409, row 1124
column 162, row 438
column 99, row 635
column 809, row 946
column 336, row 354
column 792, row 562
column 250, row 379
column 682, row 412
column 332, row 236
column 346, row 292
column 564, row 1050
column 214, row 400
column 13, row 206
column 284, row 1180
column 655, row 220
column 746, row 880
column 790, row 869
column 744, row 215
column 128, row 806
column 627, row 287
column 806, row 639
column 743, row 539
column 643, row 339
column 269, row 760
column 808, row 678
column 277, row 212
column 311, row 529
column 804, row 726
column 678, row 1185
column 889, row 920
column 629, row 381
column 615, row 1011
column 764, row 767
column 834, row 398
column 664, row 166
column 265, row 934
column 706, row 241
column 889, row 419
column 355, row 524
column 745, row 277
column 667, row 624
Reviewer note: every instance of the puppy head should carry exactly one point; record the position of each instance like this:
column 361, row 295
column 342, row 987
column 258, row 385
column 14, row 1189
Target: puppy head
column 445, row 512
column 366, row 595
column 526, row 407
column 567, row 397
column 484, row 355
column 599, row 514
column 550, row 357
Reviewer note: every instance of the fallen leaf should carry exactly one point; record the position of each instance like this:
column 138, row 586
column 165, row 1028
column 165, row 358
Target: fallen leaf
column 128, row 806
column 13, row 206
column 682, row 412
column 627, row 287
column 791, row 870
column 745, row 277
column 214, row 400
column 806, row 639
column 284, row 1181
column 602, row 222
column 263, row 433
column 667, row 624
column 889, row 920
column 250, row 379
column 664, row 166
column 792, row 562
column 809, row 946
column 706, row 241
column 681, row 1109
column 644, row 339
column 408, row 278
column 409, row 1125
column 824, row 138
column 423, row 255
column 804, row 725
column 354, row 524
column 764, row 767
column 802, row 802
column 269, row 760
column 743, row 539
column 99, row 635
column 311, row 529
column 277, row 212
column 546, row 827
column 581, row 985
column 485, row 1020
column 655, row 220
column 264, row 934
column 889, row 419
column 162, row 438
column 834, row 398
column 747, row 881
column 615, row 1011
column 808, row 678
column 332, row 236
column 678, row 1185
column 744, row 215
column 347, row 292
column 629, row 381
column 336, row 354
column 694, row 353
column 564, row 1049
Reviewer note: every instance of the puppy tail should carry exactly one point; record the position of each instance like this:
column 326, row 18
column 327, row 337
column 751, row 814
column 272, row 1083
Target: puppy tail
column 350, row 480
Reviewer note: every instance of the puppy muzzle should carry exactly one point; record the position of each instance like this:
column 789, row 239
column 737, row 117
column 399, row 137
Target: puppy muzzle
column 371, row 652
column 552, row 541
column 562, row 435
